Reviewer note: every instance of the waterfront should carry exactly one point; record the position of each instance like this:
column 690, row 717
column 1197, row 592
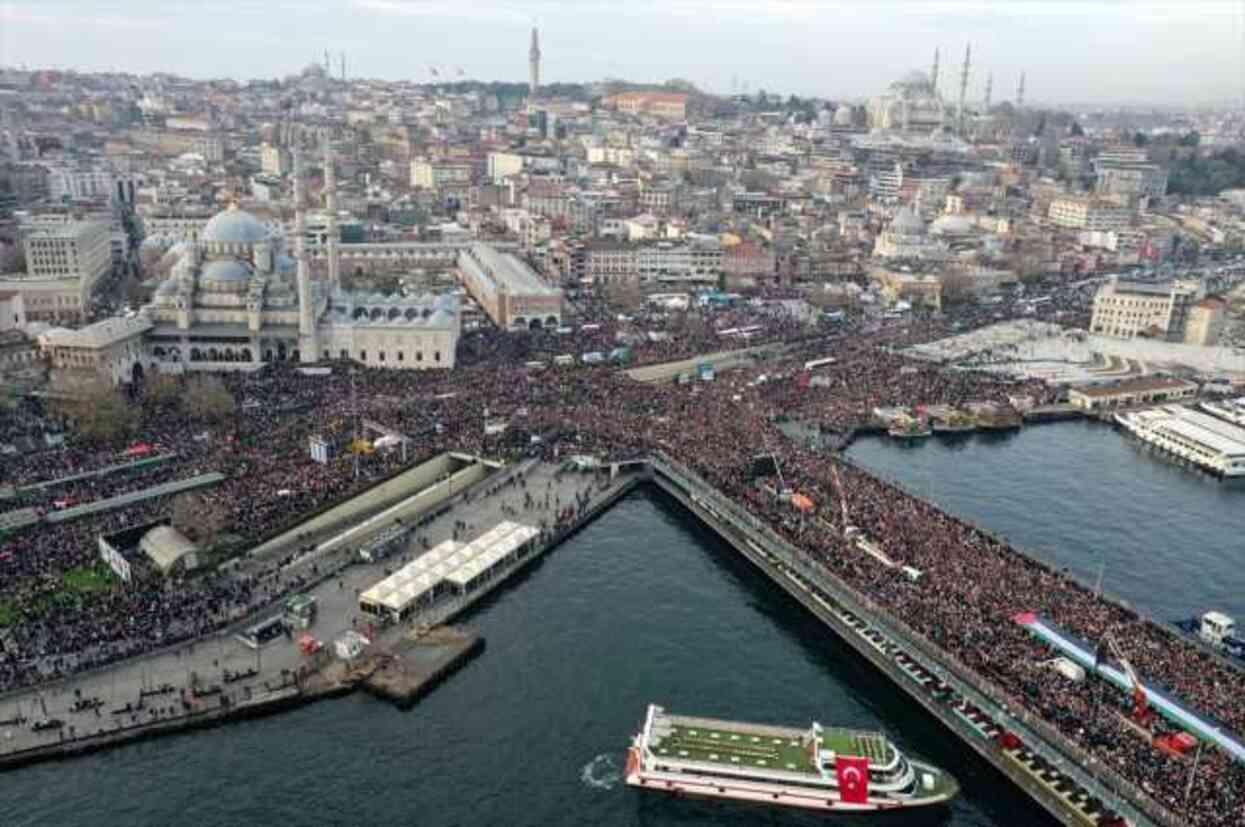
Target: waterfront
column 642, row 606
column 1080, row 494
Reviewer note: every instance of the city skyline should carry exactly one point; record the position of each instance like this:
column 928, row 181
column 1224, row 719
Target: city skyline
column 1167, row 53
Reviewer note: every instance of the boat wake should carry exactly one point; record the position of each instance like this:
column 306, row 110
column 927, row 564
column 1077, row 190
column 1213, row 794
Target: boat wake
column 601, row 773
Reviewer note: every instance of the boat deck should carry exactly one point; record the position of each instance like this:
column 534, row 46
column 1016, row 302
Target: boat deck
column 762, row 750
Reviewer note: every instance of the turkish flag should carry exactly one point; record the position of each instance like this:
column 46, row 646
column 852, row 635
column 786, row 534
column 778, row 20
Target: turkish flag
column 853, row 777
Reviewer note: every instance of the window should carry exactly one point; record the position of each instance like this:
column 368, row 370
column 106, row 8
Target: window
column 345, row 354
column 362, row 355
column 419, row 356
column 399, row 356
column 436, row 357
column 380, row 357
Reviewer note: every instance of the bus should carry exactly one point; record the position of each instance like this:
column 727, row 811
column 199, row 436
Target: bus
column 564, row 359
column 534, row 365
column 264, row 632
column 813, row 364
column 589, row 328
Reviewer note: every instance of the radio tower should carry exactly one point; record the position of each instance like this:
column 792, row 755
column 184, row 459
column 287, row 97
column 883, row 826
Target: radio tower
column 968, row 53
column 1020, row 92
column 989, row 90
column 933, row 73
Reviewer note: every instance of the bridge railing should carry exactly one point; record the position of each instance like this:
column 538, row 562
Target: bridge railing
column 1103, row 781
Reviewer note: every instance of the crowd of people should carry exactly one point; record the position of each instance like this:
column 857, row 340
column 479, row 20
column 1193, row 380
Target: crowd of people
column 972, row 583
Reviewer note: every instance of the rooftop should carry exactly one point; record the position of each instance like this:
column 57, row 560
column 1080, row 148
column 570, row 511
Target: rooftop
column 1143, row 384
column 100, row 334
column 505, row 271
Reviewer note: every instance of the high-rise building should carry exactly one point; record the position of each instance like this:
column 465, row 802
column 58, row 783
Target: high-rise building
column 1125, row 309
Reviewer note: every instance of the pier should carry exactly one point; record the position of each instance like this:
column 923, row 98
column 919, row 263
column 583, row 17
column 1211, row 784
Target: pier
column 220, row 678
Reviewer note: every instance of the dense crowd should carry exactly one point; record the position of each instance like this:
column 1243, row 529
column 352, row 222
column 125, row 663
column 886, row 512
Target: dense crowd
column 972, row 584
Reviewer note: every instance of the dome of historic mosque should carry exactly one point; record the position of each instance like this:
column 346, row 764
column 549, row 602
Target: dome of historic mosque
column 906, row 221
column 952, row 225
column 235, row 226
column 225, row 273
column 843, row 116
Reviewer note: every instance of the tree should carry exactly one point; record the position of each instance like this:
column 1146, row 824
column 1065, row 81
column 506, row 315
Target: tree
column 98, row 411
column 198, row 518
column 1191, row 139
column 1140, row 139
column 162, row 391
column 1076, row 131
column 208, row 399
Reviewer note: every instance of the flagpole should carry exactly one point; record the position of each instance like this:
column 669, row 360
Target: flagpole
column 1193, row 772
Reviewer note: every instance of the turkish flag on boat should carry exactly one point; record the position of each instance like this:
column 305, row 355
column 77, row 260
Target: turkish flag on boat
column 853, row 777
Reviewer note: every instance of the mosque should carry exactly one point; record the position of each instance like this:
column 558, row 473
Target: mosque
column 236, row 299
column 906, row 237
column 911, row 104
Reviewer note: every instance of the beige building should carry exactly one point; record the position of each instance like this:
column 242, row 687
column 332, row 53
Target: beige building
column 79, row 250
column 1083, row 213
column 1206, row 321
column 502, row 165
column 666, row 105
column 510, row 292
column 435, row 174
column 1143, row 390
column 1124, row 309
column 113, row 349
column 55, row 301
column 274, row 160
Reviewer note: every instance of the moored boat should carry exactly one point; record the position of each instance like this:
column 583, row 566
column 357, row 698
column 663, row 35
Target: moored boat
column 818, row 768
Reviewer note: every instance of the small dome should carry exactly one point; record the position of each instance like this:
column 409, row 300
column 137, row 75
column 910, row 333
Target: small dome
column 843, row 116
column 235, row 226
column 226, row 271
column 952, row 225
column 908, row 222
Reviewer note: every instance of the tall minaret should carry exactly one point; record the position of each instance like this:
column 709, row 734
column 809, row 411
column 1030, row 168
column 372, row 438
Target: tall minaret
column 306, row 313
column 989, row 91
column 533, row 65
column 1020, row 92
column 968, row 53
column 330, row 207
column 933, row 73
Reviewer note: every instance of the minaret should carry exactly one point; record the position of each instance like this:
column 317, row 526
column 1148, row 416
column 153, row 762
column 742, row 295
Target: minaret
column 533, row 63
column 330, row 207
column 1020, row 92
column 989, row 90
column 343, row 65
column 968, row 53
column 306, row 312
column 933, row 73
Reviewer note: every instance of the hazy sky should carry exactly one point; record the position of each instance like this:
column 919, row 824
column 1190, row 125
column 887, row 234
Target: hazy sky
column 1072, row 50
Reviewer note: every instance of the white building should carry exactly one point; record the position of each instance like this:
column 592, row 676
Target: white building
column 1082, row 213
column 274, row 160
column 502, row 165
column 435, row 174
column 1124, row 309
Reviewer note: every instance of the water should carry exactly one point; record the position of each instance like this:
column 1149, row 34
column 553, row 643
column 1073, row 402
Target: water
column 643, row 606
column 1166, row 538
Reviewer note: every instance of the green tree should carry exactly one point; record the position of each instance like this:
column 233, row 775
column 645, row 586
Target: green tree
column 1076, row 131
column 97, row 410
column 1191, row 139
column 208, row 399
column 1140, row 139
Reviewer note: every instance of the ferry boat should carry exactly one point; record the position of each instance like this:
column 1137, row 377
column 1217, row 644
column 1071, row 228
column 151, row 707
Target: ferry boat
column 818, row 768
column 909, row 428
column 955, row 423
column 1218, row 631
column 1229, row 410
column 1192, row 436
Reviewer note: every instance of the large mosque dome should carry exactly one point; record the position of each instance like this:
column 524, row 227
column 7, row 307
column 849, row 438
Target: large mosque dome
column 235, row 226
column 225, row 274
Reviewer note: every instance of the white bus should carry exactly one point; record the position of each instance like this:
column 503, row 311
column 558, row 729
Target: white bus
column 813, row 364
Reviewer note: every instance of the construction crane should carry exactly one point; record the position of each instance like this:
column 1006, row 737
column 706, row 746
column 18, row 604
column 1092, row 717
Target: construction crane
column 1142, row 713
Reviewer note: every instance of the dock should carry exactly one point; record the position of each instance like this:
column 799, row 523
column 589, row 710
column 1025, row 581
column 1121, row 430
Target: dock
column 219, row 679
column 417, row 664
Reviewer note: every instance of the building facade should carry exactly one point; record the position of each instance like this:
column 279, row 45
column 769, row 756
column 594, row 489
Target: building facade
column 1081, row 213
column 509, row 291
column 1125, row 309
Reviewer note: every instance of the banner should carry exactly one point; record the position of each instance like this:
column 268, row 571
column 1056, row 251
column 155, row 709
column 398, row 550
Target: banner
column 853, row 777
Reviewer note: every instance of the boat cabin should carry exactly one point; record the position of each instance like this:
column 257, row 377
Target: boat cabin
column 1217, row 629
